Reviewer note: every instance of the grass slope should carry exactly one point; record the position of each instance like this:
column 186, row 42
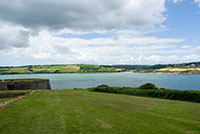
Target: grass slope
column 78, row 111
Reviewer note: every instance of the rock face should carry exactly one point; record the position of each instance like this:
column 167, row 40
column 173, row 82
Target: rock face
column 24, row 84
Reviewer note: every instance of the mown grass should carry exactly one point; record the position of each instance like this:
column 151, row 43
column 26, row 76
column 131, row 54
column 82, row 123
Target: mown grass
column 81, row 111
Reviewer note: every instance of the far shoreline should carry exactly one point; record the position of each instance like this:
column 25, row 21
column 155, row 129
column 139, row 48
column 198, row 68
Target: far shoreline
column 128, row 72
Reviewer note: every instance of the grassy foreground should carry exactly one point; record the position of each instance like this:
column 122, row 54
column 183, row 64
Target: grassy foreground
column 80, row 111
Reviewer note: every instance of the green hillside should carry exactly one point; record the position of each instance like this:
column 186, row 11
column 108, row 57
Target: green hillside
column 57, row 69
column 184, row 68
column 81, row 111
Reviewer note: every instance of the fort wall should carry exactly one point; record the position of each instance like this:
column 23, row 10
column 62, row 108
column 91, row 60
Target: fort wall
column 24, row 84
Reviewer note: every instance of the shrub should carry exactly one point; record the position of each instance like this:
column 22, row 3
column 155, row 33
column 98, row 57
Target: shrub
column 102, row 88
column 186, row 95
column 162, row 88
column 57, row 71
column 148, row 86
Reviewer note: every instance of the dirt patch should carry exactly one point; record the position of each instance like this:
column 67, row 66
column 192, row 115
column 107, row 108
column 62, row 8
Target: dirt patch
column 72, row 67
column 104, row 124
column 179, row 69
column 118, row 70
column 4, row 104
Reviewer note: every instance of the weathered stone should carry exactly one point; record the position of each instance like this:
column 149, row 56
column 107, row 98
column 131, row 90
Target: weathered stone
column 8, row 95
column 24, row 84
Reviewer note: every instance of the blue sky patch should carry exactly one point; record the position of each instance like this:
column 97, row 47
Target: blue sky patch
column 88, row 36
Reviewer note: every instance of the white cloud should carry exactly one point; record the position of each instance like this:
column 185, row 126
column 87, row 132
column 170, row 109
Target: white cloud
column 13, row 36
column 177, row 1
column 198, row 48
column 197, row 2
column 28, row 30
column 166, row 59
column 120, row 49
column 83, row 15
column 186, row 47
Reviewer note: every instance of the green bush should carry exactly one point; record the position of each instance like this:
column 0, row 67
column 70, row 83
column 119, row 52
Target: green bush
column 148, row 86
column 185, row 95
column 102, row 88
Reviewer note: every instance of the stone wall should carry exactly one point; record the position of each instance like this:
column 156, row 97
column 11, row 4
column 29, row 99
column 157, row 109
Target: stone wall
column 24, row 84
column 3, row 86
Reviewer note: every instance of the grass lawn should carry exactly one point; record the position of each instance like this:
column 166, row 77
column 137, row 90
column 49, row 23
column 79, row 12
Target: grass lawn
column 80, row 111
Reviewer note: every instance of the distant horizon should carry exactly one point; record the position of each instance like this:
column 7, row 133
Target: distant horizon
column 96, row 64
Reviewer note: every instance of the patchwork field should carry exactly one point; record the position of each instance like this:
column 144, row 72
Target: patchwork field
column 81, row 111
column 57, row 69
column 41, row 69
column 183, row 69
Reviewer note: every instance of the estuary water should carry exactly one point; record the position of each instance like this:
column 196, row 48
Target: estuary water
column 86, row 80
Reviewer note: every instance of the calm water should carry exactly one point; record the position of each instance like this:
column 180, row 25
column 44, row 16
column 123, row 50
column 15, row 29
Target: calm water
column 70, row 81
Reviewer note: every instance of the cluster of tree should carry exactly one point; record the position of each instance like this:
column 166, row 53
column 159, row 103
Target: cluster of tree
column 150, row 90
column 191, row 64
column 140, row 67
column 96, row 68
column 158, row 66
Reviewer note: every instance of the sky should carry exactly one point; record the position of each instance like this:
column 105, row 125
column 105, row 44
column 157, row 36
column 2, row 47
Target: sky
column 35, row 32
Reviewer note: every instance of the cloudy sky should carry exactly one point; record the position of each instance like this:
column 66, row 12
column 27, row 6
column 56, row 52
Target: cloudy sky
column 99, row 31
